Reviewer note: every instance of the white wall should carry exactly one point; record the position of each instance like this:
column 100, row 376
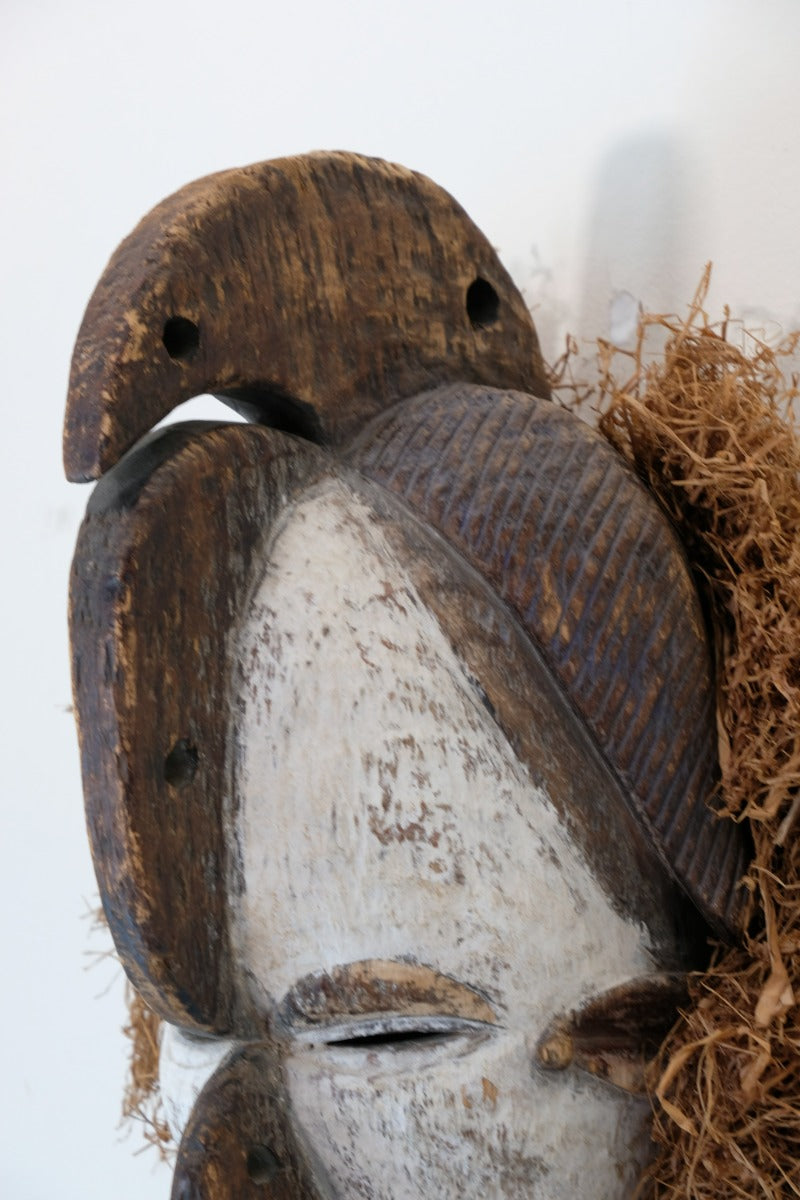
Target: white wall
column 604, row 148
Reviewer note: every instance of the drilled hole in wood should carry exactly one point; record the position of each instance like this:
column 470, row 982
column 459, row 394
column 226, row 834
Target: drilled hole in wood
column 180, row 765
column 483, row 303
column 181, row 337
column 262, row 1165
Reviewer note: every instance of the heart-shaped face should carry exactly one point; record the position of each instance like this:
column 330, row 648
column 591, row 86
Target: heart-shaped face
column 412, row 910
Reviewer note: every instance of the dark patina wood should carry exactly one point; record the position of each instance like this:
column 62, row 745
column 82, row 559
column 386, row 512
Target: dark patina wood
column 313, row 295
column 569, row 538
column 308, row 292
column 616, row 1034
column 240, row 1143
column 168, row 548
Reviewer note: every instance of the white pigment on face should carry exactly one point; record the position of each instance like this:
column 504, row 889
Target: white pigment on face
column 383, row 815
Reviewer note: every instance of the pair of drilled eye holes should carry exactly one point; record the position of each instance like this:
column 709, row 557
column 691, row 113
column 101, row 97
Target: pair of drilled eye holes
column 181, row 337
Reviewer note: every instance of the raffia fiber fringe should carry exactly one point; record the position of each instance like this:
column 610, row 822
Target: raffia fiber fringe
column 710, row 428
column 141, row 1101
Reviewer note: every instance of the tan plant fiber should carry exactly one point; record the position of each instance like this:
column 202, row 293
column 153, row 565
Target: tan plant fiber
column 141, row 1100
column 709, row 426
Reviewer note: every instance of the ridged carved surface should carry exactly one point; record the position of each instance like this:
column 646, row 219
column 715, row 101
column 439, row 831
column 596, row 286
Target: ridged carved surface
column 548, row 512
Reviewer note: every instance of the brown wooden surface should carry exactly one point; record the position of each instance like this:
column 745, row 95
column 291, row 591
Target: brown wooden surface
column 373, row 987
column 174, row 538
column 239, row 1143
column 615, row 1034
column 547, row 512
column 311, row 292
column 164, row 558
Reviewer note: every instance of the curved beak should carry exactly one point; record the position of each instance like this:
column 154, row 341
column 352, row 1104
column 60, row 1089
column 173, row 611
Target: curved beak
column 309, row 293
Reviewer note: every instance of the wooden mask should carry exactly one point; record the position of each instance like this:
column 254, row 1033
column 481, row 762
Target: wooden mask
column 395, row 705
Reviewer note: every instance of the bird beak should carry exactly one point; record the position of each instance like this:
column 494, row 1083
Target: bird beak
column 309, row 293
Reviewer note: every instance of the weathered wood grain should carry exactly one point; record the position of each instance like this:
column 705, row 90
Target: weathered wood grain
column 615, row 1034
column 547, row 512
column 170, row 541
column 240, row 1143
column 308, row 292
column 313, row 294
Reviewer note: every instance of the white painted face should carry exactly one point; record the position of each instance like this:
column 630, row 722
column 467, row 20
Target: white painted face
column 385, row 826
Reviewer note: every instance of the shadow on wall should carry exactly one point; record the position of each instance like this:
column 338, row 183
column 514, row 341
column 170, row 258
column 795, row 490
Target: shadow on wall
column 636, row 239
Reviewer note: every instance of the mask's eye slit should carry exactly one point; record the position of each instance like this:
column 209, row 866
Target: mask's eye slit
column 396, row 1032
column 398, row 1037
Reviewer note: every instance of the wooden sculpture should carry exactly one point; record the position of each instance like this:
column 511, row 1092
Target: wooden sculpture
column 395, row 705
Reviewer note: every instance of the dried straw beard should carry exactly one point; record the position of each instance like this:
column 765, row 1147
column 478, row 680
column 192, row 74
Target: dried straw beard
column 710, row 429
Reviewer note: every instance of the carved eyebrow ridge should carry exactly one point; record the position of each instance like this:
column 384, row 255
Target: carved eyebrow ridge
column 375, row 987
